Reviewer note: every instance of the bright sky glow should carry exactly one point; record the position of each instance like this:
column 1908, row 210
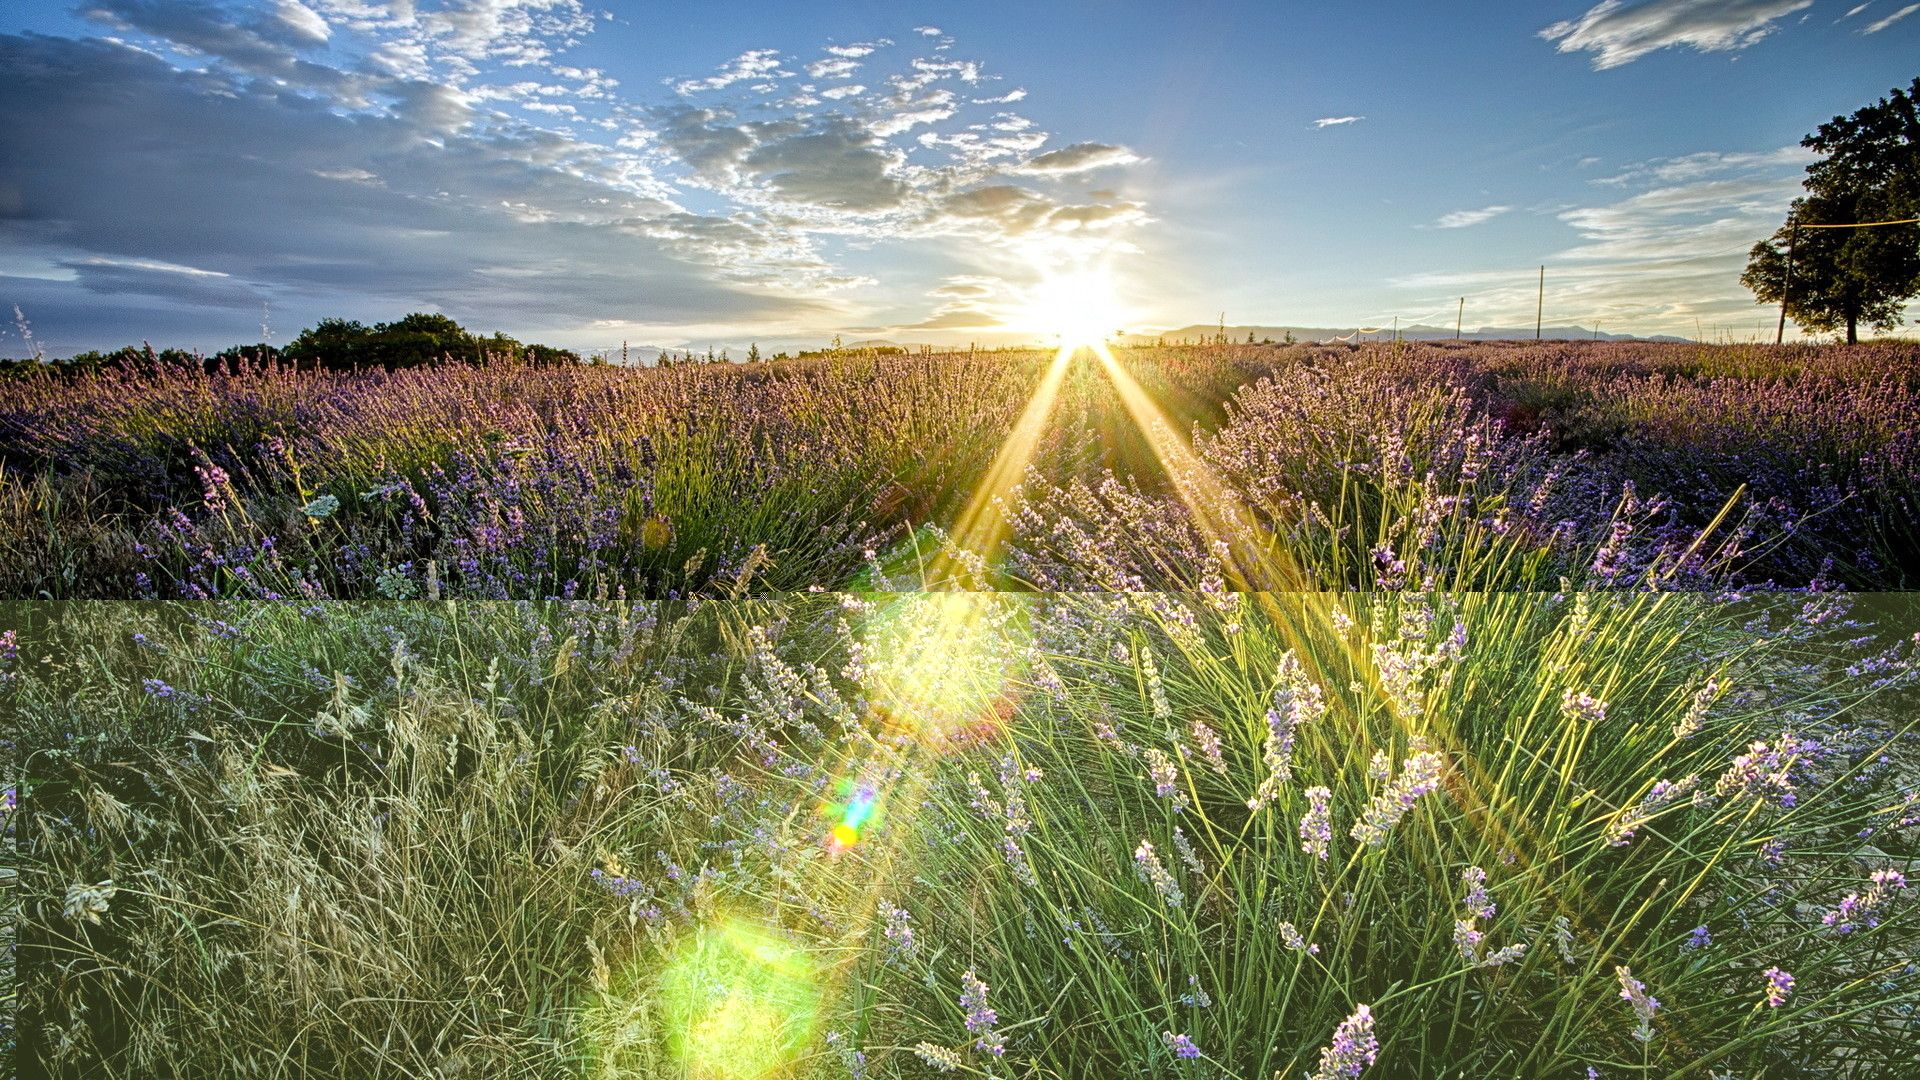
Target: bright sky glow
column 201, row 174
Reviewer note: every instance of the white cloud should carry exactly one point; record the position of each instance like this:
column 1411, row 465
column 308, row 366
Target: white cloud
column 1618, row 34
column 749, row 65
column 928, row 31
column 836, row 68
column 302, row 20
column 1080, row 157
column 1854, row 10
column 1882, row 24
column 1664, row 257
column 1708, row 163
column 1460, row 219
column 153, row 265
column 514, row 32
column 1336, row 121
column 466, row 166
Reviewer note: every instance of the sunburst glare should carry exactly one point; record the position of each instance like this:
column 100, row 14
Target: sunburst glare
column 1076, row 307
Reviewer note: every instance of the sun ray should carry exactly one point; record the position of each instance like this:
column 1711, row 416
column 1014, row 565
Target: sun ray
column 982, row 525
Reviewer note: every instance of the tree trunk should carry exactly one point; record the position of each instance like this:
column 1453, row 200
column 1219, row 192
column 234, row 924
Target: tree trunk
column 1853, row 338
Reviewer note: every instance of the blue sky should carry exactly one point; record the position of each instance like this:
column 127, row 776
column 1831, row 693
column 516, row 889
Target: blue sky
column 717, row 173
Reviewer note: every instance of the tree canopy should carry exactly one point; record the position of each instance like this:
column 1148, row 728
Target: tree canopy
column 336, row 344
column 1869, row 171
column 419, row 338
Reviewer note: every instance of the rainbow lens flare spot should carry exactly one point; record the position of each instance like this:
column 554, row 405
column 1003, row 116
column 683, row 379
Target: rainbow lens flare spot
column 855, row 812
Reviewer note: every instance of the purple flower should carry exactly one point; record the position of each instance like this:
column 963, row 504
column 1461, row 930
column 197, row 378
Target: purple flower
column 1297, row 701
column 1181, row 1045
column 1779, row 985
column 1634, row 993
column 1862, row 910
column 973, row 999
column 1766, row 770
column 1419, row 776
column 1353, row 1047
column 1165, row 777
column 1467, row 939
column 1316, row 825
column 898, row 930
column 1207, row 741
column 1478, row 904
column 1148, row 868
column 1580, row 705
column 980, row 1017
column 1700, row 938
column 1291, row 937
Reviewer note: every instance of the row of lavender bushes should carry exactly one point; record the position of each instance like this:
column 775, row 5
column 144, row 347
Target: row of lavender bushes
column 515, row 481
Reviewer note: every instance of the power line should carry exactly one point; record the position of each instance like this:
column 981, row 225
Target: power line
column 1786, row 280
column 1865, row 224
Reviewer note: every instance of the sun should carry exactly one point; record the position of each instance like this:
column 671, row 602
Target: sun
column 1080, row 307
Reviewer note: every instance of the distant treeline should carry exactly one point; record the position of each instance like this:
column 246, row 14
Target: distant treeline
column 333, row 344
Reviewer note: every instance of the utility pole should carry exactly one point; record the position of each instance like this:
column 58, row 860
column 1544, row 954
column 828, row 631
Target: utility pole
column 1793, row 233
column 1396, row 329
column 1540, row 303
column 1458, row 317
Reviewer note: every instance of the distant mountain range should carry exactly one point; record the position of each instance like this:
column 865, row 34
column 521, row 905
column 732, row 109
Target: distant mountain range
column 1416, row 332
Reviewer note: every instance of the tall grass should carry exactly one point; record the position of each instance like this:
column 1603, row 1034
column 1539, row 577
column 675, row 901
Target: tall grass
column 485, row 839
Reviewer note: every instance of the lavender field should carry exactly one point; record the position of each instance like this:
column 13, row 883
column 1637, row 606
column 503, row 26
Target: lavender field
column 1227, row 711
column 550, row 540
column 1615, row 465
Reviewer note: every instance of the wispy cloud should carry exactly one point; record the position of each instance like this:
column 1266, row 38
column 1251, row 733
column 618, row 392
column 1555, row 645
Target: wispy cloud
column 466, row 165
column 1659, row 256
column 1336, row 121
column 752, row 64
column 1080, row 157
column 1460, row 219
column 1617, row 33
column 1708, row 163
column 1882, row 24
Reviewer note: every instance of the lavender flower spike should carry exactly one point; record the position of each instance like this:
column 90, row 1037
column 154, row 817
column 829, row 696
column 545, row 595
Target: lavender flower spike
column 1353, row 1048
column 1779, row 985
column 1634, row 993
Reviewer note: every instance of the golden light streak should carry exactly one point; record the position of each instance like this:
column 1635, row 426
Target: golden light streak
column 1262, row 564
column 982, row 526
column 1255, row 563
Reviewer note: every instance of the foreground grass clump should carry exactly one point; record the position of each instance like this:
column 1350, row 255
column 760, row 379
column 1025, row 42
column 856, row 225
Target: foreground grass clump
column 879, row 834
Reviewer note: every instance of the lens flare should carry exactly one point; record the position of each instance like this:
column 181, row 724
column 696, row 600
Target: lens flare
column 939, row 663
column 982, row 525
column 856, row 811
column 1079, row 306
column 740, row 1002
